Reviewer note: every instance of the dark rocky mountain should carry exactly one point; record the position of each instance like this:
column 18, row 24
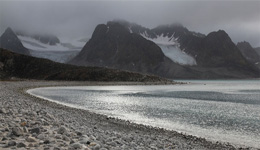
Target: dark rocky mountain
column 257, row 49
column 214, row 50
column 116, row 45
column 249, row 52
column 113, row 46
column 27, row 67
column 43, row 38
column 10, row 41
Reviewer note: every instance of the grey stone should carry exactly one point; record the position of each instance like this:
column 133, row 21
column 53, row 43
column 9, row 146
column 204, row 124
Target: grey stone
column 85, row 141
column 35, row 130
column 65, row 138
column 76, row 145
column 62, row 130
column 41, row 137
column 2, row 111
column 17, row 131
column 31, row 139
column 72, row 141
column 11, row 143
column 4, row 138
column 97, row 147
column 79, row 133
column 21, row 145
column 46, row 142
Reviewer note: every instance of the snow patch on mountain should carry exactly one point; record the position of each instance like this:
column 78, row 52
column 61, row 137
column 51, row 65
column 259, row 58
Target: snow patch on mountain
column 161, row 39
column 177, row 55
column 170, row 47
column 36, row 45
column 33, row 44
column 57, row 56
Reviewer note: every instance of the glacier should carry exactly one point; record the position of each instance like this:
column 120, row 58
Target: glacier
column 61, row 52
column 177, row 55
column 57, row 56
column 171, row 49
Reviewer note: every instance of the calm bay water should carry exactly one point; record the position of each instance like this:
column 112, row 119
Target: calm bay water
column 227, row 111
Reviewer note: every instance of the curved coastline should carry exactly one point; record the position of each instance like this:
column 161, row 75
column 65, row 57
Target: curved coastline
column 83, row 122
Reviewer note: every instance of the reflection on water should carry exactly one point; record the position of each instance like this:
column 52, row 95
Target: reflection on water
column 217, row 110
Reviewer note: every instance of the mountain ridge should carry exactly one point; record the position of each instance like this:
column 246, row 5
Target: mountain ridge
column 114, row 38
column 10, row 41
column 27, row 67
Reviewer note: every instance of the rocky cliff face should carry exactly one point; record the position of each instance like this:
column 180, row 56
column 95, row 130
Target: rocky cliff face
column 249, row 52
column 113, row 46
column 10, row 41
column 118, row 46
column 215, row 50
column 257, row 49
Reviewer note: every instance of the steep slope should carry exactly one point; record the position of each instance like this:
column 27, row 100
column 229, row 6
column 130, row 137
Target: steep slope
column 165, row 38
column 112, row 45
column 26, row 67
column 116, row 46
column 10, row 41
column 216, row 50
column 249, row 52
column 257, row 49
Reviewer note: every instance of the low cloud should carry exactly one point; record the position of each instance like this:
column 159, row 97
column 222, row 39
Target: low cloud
column 73, row 19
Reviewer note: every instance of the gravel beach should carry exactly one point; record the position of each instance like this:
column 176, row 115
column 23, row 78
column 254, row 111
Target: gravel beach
column 27, row 122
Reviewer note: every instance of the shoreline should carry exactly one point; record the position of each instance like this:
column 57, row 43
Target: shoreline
column 101, row 131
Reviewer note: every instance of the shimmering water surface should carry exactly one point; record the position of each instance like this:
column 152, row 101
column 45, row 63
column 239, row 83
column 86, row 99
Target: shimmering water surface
column 227, row 111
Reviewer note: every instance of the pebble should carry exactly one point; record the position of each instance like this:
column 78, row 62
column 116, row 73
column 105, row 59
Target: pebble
column 21, row 145
column 31, row 123
column 62, row 130
column 17, row 131
column 2, row 111
column 35, row 130
column 11, row 143
column 31, row 139
column 76, row 145
column 41, row 137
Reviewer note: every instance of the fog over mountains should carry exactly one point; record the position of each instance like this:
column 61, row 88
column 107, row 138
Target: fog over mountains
column 70, row 20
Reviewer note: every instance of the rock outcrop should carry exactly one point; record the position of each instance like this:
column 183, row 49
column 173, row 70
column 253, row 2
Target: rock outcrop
column 10, row 41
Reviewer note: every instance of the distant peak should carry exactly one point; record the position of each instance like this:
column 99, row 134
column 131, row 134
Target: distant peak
column 244, row 44
column 218, row 33
column 9, row 30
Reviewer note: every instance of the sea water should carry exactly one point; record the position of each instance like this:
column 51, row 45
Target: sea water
column 227, row 111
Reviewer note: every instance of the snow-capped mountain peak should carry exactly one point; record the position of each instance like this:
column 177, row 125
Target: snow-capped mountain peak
column 162, row 39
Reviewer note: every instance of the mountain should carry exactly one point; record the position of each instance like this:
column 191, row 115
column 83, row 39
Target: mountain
column 249, row 52
column 27, row 67
column 213, row 50
column 257, row 49
column 139, row 49
column 50, row 46
column 41, row 42
column 9, row 40
column 43, row 38
column 113, row 46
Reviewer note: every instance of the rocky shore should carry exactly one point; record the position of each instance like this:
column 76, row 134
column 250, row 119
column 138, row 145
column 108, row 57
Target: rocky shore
column 27, row 122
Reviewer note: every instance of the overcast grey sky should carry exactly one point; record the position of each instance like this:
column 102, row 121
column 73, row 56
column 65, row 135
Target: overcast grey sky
column 74, row 19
